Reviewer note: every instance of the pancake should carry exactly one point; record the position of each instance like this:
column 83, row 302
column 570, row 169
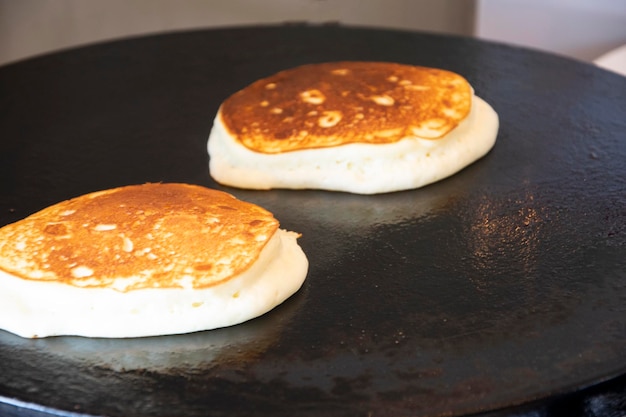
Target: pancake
column 144, row 260
column 361, row 127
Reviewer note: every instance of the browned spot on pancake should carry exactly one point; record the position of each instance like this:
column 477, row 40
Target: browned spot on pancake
column 202, row 267
column 331, row 104
column 57, row 229
column 140, row 236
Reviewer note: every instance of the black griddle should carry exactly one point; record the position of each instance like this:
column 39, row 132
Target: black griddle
column 500, row 290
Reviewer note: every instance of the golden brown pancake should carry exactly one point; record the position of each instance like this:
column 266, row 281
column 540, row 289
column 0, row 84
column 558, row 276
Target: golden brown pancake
column 145, row 260
column 338, row 103
column 359, row 127
column 139, row 236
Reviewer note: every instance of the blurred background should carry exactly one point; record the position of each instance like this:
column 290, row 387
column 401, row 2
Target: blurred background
column 582, row 29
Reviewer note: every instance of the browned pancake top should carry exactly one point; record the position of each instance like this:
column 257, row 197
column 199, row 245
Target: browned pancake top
column 139, row 236
column 336, row 103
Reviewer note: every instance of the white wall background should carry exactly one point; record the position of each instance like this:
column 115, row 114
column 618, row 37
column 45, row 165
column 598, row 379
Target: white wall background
column 31, row 27
column 583, row 29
